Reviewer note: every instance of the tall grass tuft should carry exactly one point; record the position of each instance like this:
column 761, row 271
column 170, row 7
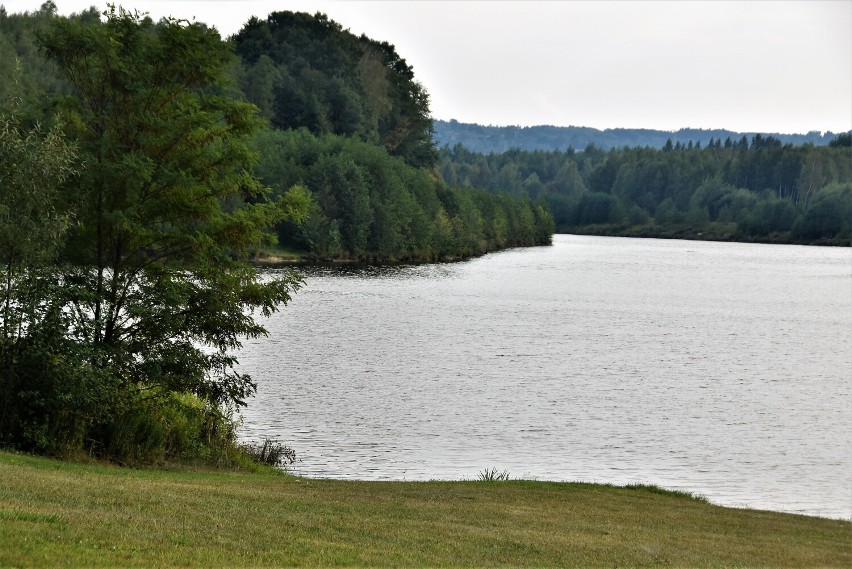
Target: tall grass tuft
column 271, row 453
column 492, row 475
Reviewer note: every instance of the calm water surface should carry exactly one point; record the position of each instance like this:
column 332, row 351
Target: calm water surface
column 718, row 368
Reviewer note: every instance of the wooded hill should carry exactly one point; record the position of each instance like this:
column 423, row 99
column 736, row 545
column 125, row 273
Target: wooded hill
column 352, row 125
column 345, row 98
column 745, row 190
column 497, row 139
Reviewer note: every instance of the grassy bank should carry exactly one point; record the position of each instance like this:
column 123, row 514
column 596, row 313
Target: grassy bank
column 56, row 513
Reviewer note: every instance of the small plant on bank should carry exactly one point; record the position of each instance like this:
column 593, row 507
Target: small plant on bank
column 492, row 475
column 271, row 453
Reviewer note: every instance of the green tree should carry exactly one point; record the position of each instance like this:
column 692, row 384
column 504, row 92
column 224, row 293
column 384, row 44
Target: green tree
column 668, row 212
column 842, row 140
column 596, row 207
column 259, row 83
column 33, row 165
column 341, row 187
column 829, row 215
column 154, row 294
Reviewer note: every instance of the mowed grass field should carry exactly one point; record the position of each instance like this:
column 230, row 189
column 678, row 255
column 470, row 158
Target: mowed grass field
column 55, row 513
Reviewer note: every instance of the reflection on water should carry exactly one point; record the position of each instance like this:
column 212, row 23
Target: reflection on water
column 718, row 368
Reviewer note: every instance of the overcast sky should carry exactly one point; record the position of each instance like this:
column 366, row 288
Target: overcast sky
column 746, row 66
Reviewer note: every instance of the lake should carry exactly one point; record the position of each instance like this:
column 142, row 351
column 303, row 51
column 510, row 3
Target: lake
column 717, row 368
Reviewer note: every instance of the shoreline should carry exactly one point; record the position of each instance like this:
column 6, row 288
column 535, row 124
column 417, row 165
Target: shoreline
column 273, row 259
column 689, row 234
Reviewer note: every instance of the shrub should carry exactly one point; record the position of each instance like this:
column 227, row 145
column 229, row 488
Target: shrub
column 492, row 475
column 271, row 453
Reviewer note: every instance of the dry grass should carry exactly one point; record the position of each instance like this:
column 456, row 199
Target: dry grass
column 57, row 513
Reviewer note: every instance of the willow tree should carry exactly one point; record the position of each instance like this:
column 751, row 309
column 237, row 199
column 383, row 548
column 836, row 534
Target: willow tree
column 156, row 292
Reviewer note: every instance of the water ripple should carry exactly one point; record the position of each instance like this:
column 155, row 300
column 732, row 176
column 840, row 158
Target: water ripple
column 717, row 368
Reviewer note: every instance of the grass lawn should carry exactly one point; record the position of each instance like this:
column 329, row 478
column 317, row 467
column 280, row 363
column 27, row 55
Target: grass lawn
column 55, row 513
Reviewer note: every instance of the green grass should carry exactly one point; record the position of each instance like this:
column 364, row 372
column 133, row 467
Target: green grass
column 56, row 513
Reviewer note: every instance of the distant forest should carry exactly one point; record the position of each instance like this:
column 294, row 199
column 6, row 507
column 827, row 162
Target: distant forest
column 754, row 189
column 486, row 139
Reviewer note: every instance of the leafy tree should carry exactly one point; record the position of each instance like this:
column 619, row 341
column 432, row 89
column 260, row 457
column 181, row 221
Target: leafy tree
column 829, row 215
column 33, row 165
column 767, row 217
column 153, row 294
column 668, row 212
column 842, row 140
column 259, row 83
column 636, row 215
column 341, row 188
column 712, row 194
column 596, row 207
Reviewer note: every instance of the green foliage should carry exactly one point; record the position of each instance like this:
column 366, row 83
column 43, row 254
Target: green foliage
column 668, row 212
column 33, row 165
column 152, row 293
column 369, row 205
column 829, row 215
column 178, row 427
column 637, row 216
column 351, row 124
column 596, row 207
column 306, row 71
column 19, row 51
column 842, row 140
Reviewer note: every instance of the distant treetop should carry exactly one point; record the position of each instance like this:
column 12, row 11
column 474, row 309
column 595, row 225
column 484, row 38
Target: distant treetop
column 486, row 139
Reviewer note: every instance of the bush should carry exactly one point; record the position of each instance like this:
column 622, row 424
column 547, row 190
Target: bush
column 142, row 429
column 271, row 453
column 180, row 428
